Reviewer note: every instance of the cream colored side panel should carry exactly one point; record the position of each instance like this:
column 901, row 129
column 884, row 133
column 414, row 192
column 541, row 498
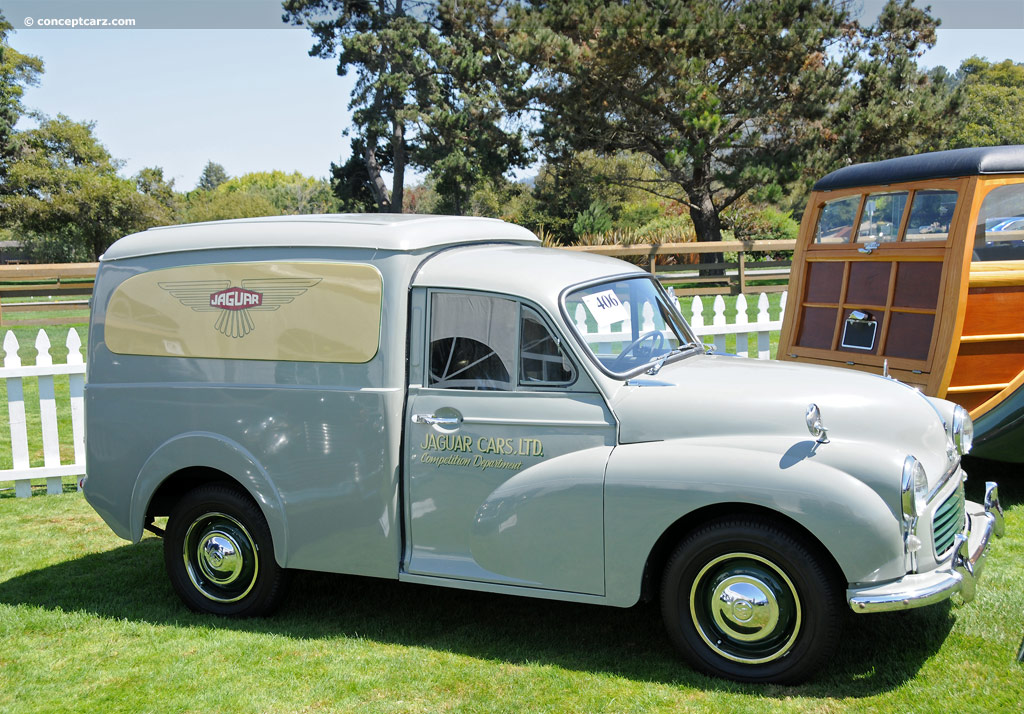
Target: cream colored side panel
column 302, row 312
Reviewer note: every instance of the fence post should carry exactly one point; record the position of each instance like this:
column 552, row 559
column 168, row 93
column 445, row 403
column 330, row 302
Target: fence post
column 741, row 270
column 697, row 315
column 719, row 321
column 48, row 413
column 76, row 387
column 16, row 413
column 742, row 338
column 764, row 338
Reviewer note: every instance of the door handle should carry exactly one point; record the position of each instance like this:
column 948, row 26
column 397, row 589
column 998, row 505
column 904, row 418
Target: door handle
column 435, row 420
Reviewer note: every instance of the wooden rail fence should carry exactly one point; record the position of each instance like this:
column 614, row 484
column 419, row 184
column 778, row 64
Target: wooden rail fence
column 59, row 281
column 50, row 280
column 737, row 276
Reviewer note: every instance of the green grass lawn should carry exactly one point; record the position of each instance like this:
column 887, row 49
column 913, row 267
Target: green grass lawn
column 89, row 624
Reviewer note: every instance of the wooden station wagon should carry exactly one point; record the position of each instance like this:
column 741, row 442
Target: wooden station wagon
column 915, row 266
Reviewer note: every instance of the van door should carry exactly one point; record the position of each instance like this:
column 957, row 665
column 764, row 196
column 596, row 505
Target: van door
column 505, row 448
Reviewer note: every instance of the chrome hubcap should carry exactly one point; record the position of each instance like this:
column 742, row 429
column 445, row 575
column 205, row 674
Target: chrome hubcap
column 221, row 558
column 745, row 608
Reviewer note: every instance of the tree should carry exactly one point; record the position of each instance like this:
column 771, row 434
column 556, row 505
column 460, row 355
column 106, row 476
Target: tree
column 150, row 181
column 65, row 195
column 389, row 46
column 567, row 185
column 213, row 176
column 289, row 194
column 261, row 193
column 427, row 92
column 685, row 84
column 468, row 138
column 221, row 205
column 351, row 182
column 889, row 106
column 992, row 102
column 17, row 71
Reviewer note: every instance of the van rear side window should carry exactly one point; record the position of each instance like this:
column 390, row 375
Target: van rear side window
column 282, row 311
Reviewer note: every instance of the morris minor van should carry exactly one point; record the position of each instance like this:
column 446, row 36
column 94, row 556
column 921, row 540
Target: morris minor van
column 443, row 401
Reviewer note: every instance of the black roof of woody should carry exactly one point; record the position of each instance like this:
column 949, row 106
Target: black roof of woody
column 938, row 164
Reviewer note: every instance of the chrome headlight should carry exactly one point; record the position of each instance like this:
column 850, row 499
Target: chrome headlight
column 914, row 487
column 961, row 430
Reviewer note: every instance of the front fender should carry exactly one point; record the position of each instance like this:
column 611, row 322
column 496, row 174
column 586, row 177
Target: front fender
column 205, row 449
column 650, row 486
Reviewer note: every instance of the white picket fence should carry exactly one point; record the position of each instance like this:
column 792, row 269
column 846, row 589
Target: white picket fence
column 604, row 339
column 44, row 371
column 742, row 327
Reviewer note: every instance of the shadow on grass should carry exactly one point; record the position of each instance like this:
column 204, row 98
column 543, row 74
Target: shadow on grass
column 878, row 653
column 1010, row 478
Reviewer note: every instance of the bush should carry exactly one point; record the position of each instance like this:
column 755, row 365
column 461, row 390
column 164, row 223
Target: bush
column 593, row 220
column 752, row 222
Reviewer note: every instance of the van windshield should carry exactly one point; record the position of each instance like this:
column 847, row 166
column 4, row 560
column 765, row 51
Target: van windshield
column 628, row 324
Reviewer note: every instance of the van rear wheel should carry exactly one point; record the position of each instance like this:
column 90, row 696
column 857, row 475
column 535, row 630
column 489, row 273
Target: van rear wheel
column 219, row 554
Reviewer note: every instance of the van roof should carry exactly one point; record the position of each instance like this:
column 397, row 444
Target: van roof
column 382, row 231
column 530, row 271
column 935, row 165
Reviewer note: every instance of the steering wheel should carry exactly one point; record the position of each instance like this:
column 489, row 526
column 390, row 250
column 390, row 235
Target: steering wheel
column 642, row 354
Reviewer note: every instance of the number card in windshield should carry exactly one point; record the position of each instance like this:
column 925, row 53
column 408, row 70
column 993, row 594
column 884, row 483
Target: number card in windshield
column 605, row 307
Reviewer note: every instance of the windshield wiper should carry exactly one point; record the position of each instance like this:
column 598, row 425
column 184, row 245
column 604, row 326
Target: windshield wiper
column 656, row 367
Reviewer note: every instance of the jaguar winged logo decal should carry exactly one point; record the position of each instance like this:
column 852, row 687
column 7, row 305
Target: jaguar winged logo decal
column 234, row 303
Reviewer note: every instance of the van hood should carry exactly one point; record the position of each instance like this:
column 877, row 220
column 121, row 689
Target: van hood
column 706, row 396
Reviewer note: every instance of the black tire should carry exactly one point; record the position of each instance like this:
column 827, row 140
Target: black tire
column 747, row 599
column 219, row 554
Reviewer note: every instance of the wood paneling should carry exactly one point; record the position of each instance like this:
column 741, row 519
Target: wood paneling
column 869, row 284
column 917, row 285
column 824, row 282
column 992, row 311
column 817, row 327
column 910, row 335
column 988, row 363
column 973, row 400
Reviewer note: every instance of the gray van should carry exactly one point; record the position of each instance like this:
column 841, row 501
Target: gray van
column 443, row 401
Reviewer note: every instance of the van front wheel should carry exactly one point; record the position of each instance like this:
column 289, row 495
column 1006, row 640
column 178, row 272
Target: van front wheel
column 750, row 600
column 219, row 554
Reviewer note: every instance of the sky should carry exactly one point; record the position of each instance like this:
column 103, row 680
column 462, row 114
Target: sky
column 253, row 99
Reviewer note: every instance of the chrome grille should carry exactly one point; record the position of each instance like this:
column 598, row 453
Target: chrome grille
column 948, row 521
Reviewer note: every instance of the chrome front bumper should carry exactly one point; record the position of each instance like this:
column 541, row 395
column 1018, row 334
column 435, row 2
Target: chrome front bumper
column 959, row 573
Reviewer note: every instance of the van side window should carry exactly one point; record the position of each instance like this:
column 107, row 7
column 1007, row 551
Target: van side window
column 542, row 362
column 999, row 232
column 472, row 342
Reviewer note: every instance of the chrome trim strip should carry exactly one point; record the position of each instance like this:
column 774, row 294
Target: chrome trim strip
column 950, row 472
column 535, row 422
